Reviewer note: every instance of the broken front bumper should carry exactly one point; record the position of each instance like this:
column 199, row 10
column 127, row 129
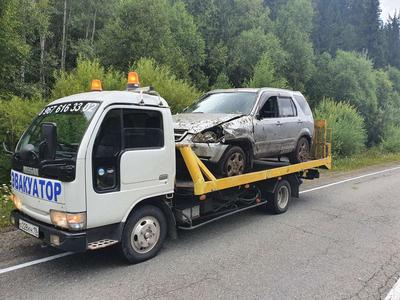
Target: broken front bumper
column 209, row 152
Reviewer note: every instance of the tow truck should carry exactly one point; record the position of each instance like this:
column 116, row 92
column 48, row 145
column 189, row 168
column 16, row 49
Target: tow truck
column 99, row 168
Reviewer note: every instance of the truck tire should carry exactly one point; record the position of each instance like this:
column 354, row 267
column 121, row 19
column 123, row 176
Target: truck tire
column 144, row 234
column 233, row 162
column 302, row 151
column 279, row 200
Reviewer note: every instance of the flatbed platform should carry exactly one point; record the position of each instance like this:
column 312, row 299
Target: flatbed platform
column 204, row 182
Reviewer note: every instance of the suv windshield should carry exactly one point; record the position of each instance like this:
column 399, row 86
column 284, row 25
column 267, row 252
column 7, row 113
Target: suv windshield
column 71, row 120
column 224, row 103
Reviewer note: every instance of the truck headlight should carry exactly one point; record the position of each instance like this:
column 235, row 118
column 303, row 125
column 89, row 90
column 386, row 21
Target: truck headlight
column 74, row 221
column 205, row 137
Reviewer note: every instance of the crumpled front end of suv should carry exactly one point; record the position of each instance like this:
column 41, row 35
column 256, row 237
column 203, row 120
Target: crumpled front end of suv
column 211, row 134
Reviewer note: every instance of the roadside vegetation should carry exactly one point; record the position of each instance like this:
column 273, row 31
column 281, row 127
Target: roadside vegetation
column 340, row 54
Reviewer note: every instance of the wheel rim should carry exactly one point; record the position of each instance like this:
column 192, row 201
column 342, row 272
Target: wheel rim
column 303, row 151
column 283, row 197
column 145, row 234
column 235, row 164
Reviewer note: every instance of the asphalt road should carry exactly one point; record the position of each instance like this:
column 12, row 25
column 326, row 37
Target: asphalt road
column 339, row 242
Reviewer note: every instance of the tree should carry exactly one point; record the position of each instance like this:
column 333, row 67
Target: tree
column 294, row 26
column 222, row 82
column 13, row 48
column 265, row 74
column 352, row 79
column 245, row 53
column 178, row 93
column 393, row 39
column 169, row 36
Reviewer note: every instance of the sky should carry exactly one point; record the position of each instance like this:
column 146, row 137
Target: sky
column 389, row 7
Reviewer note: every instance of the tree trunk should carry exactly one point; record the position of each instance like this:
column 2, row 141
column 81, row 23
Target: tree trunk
column 42, row 52
column 94, row 25
column 63, row 47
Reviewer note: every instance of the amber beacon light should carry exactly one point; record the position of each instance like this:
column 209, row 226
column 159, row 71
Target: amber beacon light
column 133, row 81
column 96, row 86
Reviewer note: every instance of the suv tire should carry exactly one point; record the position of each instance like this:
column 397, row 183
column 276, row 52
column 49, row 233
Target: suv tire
column 302, row 151
column 233, row 162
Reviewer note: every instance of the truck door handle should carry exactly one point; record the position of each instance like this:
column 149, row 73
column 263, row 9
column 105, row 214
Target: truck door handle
column 278, row 123
column 299, row 121
column 163, row 177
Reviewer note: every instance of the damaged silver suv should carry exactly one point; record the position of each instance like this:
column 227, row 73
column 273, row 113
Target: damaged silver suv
column 231, row 128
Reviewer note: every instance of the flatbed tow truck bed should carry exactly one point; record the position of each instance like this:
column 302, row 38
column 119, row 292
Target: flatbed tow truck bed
column 230, row 195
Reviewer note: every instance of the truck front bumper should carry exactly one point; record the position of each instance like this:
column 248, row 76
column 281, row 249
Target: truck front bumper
column 68, row 240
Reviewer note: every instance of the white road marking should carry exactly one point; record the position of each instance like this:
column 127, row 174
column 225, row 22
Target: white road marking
column 349, row 179
column 49, row 258
column 394, row 293
column 34, row 262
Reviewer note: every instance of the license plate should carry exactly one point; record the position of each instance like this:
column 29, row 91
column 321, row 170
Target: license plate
column 29, row 228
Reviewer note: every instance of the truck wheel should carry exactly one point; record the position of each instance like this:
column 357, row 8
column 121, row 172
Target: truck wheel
column 302, row 151
column 233, row 162
column 279, row 200
column 144, row 234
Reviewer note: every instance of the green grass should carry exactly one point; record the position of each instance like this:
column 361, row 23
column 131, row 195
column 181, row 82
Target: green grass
column 367, row 158
column 6, row 206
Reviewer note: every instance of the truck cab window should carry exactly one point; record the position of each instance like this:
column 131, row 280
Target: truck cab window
column 142, row 129
column 106, row 149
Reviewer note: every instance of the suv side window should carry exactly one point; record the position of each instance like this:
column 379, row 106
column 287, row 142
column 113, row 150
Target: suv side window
column 142, row 129
column 106, row 149
column 270, row 108
column 286, row 108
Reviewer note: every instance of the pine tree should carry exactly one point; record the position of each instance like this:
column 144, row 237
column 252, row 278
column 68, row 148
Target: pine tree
column 393, row 40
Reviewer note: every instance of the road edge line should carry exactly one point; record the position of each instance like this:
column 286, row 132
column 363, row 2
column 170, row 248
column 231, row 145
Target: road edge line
column 348, row 179
column 34, row 262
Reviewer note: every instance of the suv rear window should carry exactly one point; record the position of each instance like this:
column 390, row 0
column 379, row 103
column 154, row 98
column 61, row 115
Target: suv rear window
column 286, row 108
column 303, row 105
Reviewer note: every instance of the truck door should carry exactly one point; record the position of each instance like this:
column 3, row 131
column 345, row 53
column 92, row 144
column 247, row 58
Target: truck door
column 288, row 124
column 131, row 160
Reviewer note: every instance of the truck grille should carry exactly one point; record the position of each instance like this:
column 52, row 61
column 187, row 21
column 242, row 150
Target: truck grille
column 179, row 134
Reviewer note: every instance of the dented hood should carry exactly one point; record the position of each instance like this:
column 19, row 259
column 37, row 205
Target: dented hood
column 197, row 122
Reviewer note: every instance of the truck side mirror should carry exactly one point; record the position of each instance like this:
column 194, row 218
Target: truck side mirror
column 49, row 138
column 7, row 144
column 6, row 150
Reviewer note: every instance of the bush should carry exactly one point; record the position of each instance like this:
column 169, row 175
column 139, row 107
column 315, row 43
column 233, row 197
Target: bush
column 79, row 80
column 348, row 131
column 391, row 139
column 177, row 92
column 15, row 116
column 6, row 206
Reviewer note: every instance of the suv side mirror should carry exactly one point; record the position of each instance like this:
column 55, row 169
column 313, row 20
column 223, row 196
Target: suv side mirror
column 49, row 138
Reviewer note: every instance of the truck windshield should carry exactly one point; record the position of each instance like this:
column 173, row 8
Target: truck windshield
column 71, row 120
column 225, row 103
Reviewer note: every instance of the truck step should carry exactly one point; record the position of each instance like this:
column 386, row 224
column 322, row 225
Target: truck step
column 101, row 244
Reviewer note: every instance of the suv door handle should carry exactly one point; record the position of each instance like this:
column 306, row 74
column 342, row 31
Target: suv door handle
column 299, row 121
column 278, row 123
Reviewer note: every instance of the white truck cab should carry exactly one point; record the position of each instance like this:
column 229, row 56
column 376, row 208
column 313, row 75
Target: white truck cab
column 100, row 168
column 87, row 160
